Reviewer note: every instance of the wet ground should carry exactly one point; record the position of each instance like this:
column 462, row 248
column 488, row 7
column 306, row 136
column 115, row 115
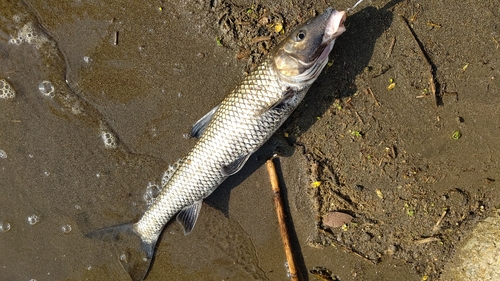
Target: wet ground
column 400, row 132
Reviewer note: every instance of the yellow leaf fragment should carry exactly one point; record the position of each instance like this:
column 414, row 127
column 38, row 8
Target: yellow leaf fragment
column 219, row 42
column 315, row 184
column 456, row 135
column 356, row 133
column 391, row 86
column 432, row 24
column 278, row 27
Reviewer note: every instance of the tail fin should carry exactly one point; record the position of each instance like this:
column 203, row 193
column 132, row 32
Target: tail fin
column 135, row 255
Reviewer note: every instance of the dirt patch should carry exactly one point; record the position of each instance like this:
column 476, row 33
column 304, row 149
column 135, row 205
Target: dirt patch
column 252, row 30
column 390, row 139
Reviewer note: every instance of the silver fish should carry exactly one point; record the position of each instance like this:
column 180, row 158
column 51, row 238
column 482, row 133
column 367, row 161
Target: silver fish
column 229, row 134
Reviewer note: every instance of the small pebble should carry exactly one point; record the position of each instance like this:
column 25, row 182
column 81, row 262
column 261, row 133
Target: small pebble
column 336, row 219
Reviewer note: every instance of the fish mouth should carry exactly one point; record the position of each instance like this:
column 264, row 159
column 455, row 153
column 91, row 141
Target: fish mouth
column 334, row 25
column 334, row 28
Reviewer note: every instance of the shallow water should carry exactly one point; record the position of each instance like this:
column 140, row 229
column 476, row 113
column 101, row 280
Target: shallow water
column 75, row 159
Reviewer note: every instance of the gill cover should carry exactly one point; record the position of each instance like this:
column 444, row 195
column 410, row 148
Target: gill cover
column 303, row 54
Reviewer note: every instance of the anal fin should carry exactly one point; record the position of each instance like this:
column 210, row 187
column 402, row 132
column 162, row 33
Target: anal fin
column 237, row 164
column 187, row 217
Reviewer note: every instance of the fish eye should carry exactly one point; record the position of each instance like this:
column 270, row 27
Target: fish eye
column 301, row 34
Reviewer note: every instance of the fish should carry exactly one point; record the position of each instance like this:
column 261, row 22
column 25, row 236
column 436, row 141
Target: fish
column 228, row 135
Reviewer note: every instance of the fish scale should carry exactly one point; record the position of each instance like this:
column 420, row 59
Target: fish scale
column 235, row 130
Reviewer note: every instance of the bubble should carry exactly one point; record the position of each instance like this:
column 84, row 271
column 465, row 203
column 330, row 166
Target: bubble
column 66, row 228
column 27, row 33
column 16, row 18
column 6, row 90
column 46, row 88
column 169, row 172
column 33, row 219
column 109, row 139
column 3, row 154
column 4, row 226
column 15, row 41
column 152, row 190
column 123, row 257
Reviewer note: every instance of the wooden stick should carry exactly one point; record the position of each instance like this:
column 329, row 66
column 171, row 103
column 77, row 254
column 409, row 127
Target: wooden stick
column 273, row 177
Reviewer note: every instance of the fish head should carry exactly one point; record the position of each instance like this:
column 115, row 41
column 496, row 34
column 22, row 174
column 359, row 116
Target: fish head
column 301, row 57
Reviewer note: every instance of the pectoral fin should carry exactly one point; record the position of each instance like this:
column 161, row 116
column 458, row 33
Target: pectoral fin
column 284, row 100
column 279, row 104
column 200, row 125
column 187, row 217
column 237, row 164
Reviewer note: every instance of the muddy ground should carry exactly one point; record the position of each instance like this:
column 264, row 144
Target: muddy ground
column 400, row 132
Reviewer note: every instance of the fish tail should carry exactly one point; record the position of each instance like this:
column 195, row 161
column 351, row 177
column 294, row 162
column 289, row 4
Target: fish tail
column 135, row 255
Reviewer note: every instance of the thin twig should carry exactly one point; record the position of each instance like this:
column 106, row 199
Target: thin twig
column 427, row 240
column 436, row 226
column 359, row 117
column 391, row 47
column 369, row 91
column 433, row 83
column 496, row 41
column 260, row 39
column 273, row 177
